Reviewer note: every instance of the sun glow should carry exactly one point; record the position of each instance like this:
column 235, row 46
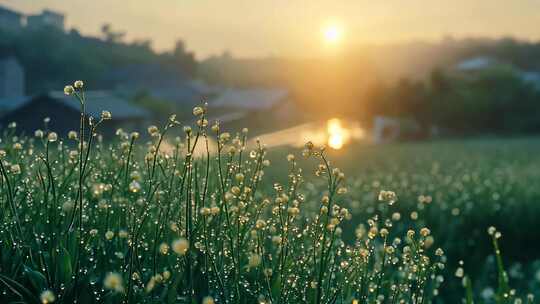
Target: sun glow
column 332, row 33
column 336, row 134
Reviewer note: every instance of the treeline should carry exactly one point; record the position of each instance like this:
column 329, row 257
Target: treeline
column 496, row 101
column 52, row 58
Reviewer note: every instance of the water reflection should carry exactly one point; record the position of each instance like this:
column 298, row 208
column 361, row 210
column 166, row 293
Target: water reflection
column 334, row 133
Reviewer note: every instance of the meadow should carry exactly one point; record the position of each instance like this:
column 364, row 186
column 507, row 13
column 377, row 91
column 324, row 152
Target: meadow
column 88, row 220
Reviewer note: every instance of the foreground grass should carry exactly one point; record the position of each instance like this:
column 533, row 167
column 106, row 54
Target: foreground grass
column 92, row 222
column 89, row 222
column 458, row 188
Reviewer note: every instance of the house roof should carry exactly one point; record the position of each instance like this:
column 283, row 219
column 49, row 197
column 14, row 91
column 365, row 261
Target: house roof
column 11, row 103
column 250, row 99
column 475, row 63
column 6, row 11
column 97, row 101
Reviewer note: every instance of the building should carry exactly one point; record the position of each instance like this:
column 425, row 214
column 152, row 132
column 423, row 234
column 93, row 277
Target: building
column 46, row 19
column 263, row 107
column 10, row 20
column 11, row 78
column 64, row 113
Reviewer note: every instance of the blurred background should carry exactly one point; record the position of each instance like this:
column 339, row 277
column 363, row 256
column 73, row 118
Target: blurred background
column 332, row 72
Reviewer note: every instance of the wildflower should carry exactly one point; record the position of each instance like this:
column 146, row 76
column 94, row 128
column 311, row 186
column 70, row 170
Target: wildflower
column 260, row 224
column 113, row 281
column 106, row 115
column 69, row 90
column 202, row 123
column 459, row 272
column 38, row 133
column 180, row 246
column 134, row 135
column 73, row 154
column 268, row 272
column 254, row 260
column 15, row 169
column 293, row 211
column 208, row 300
column 153, row 130
column 235, row 190
column 214, row 210
column 224, row 137
column 239, row 177
column 439, row 252
column 396, row 216
column 492, row 230
column 47, row 297
column 205, row 211
column 425, row 232
column 164, row 248
column 387, row 196
column 79, row 84
column 325, row 200
column 109, row 235
column 134, row 186
column 52, row 137
column 72, row 135
column 174, row 227
column 198, row 111
column 410, row 234
column 341, row 190
column 187, row 130
column 93, row 232
column 166, row 275
column 290, row 157
column 215, row 127
column 17, row 146
column 324, row 210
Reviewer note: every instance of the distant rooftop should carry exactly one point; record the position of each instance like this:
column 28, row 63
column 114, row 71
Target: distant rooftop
column 6, row 11
column 98, row 101
column 476, row 63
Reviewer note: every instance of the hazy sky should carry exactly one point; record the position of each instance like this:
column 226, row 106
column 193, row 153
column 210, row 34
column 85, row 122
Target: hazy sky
column 293, row 27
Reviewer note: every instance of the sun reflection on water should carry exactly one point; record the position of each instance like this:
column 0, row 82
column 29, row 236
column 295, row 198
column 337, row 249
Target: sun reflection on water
column 334, row 133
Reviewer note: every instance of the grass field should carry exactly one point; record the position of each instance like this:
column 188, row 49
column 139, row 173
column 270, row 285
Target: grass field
column 88, row 221
column 472, row 184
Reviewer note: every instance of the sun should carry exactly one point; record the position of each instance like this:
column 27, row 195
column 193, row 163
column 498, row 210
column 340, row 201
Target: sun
column 332, row 33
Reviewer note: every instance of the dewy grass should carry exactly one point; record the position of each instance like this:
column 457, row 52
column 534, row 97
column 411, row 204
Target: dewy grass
column 90, row 222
